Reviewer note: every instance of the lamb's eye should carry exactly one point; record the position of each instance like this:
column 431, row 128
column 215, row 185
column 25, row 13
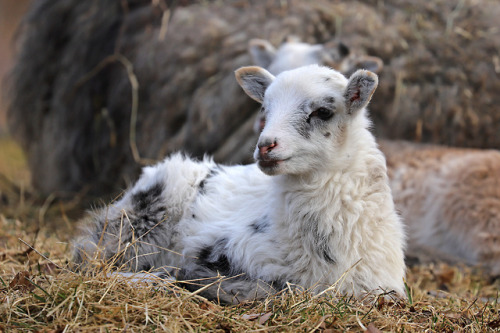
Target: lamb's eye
column 322, row 113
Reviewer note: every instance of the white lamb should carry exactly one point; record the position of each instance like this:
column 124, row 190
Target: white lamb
column 315, row 210
column 448, row 197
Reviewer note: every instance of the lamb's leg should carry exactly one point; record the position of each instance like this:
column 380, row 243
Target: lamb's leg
column 232, row 288
column 226, row 290
column 210, row 271
column 144, row 277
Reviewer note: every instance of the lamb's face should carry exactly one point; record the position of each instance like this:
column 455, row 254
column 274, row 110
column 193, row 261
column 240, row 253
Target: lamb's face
column 308, row 112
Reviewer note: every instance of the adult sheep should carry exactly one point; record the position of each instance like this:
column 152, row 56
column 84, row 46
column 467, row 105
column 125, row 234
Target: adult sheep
column 316, row 210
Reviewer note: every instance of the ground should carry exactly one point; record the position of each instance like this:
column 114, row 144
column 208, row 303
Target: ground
column 39, row 292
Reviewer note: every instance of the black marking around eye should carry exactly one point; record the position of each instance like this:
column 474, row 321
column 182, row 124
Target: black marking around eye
column 303, row 108
column 324, row 109
column 326, row 102
column 322, row 113
column 303, row 127
column 303, row 124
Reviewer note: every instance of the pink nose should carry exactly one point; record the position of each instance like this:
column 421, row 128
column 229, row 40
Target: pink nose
column 266, row 147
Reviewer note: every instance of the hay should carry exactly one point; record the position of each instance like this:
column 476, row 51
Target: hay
column 40, row 293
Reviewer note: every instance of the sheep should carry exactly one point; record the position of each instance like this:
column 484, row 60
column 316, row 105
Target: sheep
column 450, row 201
column 315, row 210
column 449, row 198
column 293, row 53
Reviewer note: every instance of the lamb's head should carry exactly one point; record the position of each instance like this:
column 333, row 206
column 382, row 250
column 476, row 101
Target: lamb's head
column 293, row 53
column 310, row 115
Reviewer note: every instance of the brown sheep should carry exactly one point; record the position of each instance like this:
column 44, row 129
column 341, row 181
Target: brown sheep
column 450, row 201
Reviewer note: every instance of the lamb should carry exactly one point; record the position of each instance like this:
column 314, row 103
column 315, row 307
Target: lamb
column 448, row 197
column 315, row 210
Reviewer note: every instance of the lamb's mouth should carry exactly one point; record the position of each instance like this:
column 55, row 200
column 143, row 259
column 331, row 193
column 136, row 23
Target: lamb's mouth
column 270, row 163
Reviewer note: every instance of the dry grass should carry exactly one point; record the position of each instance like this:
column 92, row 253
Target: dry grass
column 38, row 292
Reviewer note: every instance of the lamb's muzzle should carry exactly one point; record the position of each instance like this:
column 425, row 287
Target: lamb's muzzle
column 265, row 157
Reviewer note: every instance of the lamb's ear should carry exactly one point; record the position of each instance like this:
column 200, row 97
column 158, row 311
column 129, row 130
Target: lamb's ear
column 359, row 91
column 254, row 80
column 262, row 52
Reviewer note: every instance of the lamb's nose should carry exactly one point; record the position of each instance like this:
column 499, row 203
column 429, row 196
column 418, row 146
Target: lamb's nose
column 266, row 146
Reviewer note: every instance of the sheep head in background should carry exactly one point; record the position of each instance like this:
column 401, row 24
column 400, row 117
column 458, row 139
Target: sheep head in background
column 294, row 53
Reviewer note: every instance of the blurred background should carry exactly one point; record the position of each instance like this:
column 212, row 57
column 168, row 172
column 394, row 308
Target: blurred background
column 11, row 12
column 99, row 88
column 13, row 168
